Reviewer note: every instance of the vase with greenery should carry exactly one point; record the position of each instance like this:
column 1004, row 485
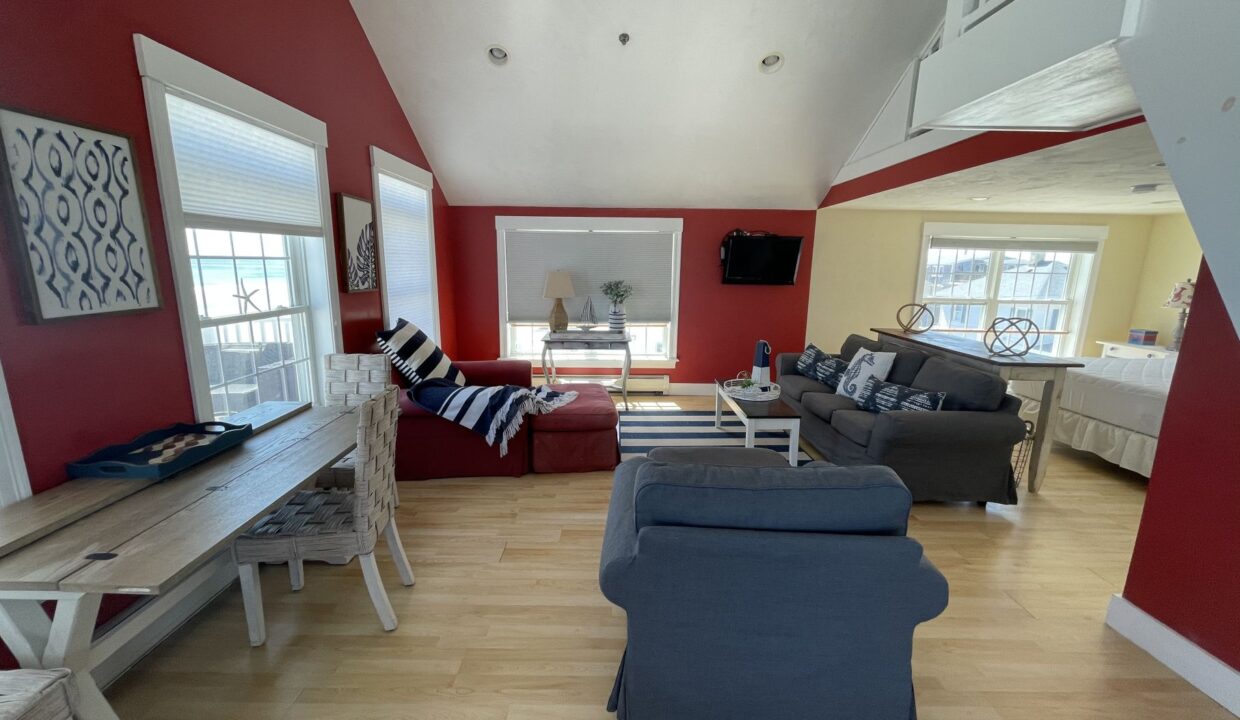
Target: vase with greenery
column 617, row 291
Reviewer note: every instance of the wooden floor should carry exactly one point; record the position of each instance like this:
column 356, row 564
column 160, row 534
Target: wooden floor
column 506, row 621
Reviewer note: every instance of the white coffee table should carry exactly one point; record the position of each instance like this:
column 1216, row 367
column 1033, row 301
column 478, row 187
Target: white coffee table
column 760, row 416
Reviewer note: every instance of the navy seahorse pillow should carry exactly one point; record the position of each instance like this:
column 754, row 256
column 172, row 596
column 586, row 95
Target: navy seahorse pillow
column 879, row 396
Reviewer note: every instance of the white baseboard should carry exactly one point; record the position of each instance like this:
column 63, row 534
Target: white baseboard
column 131, row 636
column 691, row 389
column 1212, row 676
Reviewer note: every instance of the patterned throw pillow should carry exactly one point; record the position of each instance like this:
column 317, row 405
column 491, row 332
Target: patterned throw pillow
column 809, row 359
column 417, row 356
column 816, row 364
column 879, row 396
column 865, row 365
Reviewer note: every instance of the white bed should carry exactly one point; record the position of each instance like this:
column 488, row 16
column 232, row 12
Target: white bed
column 1112, row 407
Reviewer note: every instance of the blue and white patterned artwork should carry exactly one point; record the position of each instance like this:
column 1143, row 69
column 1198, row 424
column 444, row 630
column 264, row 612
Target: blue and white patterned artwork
column 358, row 231
column 78, row 217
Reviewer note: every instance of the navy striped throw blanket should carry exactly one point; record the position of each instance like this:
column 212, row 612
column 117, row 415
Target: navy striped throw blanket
column 495, row 413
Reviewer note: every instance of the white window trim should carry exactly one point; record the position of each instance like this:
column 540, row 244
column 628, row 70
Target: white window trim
column 674, row 226
column 14, row 480
column 165, row 70
column 385, row 163
column 1033, row 234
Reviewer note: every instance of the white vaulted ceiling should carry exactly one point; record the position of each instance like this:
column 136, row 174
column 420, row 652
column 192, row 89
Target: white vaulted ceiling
column 680, row 117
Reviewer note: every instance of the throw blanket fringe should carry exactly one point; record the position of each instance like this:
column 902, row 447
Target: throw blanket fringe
column 492, row 412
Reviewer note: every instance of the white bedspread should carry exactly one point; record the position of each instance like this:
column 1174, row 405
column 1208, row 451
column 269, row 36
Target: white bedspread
column 1128, row 393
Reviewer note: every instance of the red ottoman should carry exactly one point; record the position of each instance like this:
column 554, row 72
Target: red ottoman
column 579, row 437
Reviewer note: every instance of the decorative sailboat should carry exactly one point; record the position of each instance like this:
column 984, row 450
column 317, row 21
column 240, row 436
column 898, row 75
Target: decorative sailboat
column 586, row 320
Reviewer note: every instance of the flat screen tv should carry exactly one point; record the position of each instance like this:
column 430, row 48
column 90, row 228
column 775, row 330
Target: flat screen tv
column 760, row 258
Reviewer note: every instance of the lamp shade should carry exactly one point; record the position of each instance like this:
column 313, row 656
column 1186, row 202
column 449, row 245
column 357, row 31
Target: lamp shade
column 1181, row 295
column 559, row 284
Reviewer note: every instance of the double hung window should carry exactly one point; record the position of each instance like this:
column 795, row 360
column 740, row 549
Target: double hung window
column 645, row 252
column 972, row 274
column 406, row 240
column 243, row 181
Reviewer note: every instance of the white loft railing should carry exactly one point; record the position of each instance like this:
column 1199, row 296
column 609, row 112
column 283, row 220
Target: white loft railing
column 963, row 15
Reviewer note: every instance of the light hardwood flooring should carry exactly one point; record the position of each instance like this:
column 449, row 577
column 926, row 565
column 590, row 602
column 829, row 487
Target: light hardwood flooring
column 506, row 621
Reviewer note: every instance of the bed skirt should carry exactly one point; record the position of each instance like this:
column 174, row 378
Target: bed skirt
column 1129, row 449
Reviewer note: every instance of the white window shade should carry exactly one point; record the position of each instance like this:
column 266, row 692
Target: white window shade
column 230, row 170
column 407, row 258
column 644, row 259
column 1014, row 244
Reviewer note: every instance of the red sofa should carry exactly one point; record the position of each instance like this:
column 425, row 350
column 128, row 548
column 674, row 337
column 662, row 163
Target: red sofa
column 427, row 446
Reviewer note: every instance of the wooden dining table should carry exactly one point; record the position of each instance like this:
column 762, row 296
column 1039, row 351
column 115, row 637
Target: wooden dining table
column 89, row 537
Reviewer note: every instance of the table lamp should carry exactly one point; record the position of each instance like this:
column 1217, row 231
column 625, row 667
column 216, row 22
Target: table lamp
column 559, row 285
column 1181, row 299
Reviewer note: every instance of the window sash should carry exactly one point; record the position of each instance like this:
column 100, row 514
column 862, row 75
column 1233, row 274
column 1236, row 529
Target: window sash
column 1066, row 338
column 406, row 248
column 532, row 349
column 166, row 72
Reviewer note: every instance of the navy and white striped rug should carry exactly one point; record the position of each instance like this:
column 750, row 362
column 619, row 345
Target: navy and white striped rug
column 644, row 430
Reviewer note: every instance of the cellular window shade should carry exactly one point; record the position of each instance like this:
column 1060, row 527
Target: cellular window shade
column 234, row 170
column 404, row 227
column 1014, row 244
column 645, row 259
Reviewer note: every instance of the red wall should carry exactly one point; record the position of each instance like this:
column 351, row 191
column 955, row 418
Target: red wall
column 80, row 384
column 1185, row 568
column 718, row 323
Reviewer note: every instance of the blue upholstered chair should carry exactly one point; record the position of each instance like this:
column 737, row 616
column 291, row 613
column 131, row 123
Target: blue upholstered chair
column 765, row 593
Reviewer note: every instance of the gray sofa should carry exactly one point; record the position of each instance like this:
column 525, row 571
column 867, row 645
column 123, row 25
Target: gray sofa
column 765, row 592
column 960, row 453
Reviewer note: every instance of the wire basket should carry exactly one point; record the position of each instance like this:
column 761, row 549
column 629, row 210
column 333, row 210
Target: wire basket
column 754, row 393
column 1021, row 454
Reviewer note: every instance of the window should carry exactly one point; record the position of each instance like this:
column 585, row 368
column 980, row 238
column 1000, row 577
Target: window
column 406, row 242
column 972, row 274
column 243, row 182
column 14, row 482
column 643, row 251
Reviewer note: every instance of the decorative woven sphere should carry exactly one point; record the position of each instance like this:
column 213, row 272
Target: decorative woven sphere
column 1012, row 337
column 914, row 318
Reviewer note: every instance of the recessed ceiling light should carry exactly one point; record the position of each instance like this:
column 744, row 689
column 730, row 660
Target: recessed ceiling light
column 771, row 63
column 497, row 54
column 980, row 198
column 1159, row 164
column 1143, row 188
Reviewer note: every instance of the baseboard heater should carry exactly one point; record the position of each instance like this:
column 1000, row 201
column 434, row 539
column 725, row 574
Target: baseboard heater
column 659, row 384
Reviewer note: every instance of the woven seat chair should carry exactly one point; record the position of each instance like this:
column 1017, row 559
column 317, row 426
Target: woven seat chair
column 36, row 695
column 330, row 523
column 351, row 379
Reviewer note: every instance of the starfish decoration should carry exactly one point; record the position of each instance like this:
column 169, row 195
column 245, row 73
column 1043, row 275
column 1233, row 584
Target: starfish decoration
column 247, row 298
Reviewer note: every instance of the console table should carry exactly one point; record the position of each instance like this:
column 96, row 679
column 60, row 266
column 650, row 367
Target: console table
column 588, row 340
column 1051, row 371
column 80, row 540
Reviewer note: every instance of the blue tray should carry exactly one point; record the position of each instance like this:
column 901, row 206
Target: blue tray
column 137, row 460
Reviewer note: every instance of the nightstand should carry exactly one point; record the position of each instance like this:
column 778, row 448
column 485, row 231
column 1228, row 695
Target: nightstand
column 1124, row 350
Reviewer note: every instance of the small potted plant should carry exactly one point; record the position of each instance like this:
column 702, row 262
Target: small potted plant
column 617, row 291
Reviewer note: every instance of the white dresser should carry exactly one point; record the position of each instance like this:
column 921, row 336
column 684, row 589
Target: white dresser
column 1124, row 350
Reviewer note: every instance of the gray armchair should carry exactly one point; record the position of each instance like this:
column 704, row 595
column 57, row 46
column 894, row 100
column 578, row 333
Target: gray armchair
column 765, row 592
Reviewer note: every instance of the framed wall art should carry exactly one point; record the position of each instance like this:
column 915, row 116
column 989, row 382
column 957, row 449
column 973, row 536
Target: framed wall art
column 357, row 237
column 73, row 204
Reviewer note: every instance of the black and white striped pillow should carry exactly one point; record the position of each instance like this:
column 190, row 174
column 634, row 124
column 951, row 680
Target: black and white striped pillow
column 417, row 356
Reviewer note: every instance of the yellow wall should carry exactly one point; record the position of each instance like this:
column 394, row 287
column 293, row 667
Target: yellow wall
column 865, row 267
column 1173, row 256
